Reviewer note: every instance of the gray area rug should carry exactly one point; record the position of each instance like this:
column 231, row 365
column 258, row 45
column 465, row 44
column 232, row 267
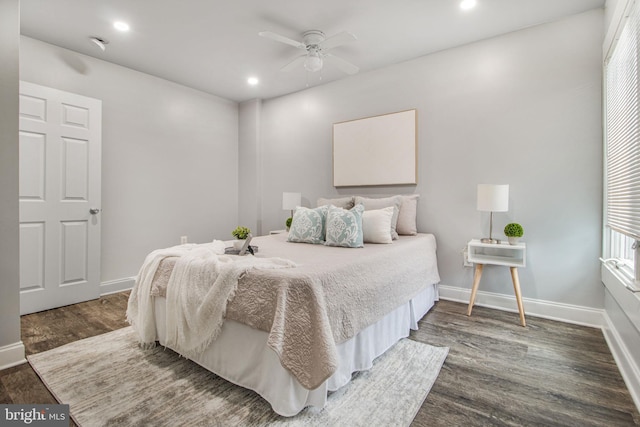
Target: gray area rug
column 109, row 381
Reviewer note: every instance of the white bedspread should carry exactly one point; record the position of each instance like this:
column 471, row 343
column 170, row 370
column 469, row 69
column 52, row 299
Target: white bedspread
column 333, row 294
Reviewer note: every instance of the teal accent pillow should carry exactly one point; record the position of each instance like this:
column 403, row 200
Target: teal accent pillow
column 344, row 227
column 307, row 225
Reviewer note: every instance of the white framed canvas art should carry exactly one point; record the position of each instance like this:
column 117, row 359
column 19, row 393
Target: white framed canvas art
column 378, row 150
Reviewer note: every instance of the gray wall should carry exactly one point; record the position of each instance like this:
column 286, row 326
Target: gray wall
column 169, row 155
column 609, row 9
column 250, row 203
column 522, row 109
column 9, row 248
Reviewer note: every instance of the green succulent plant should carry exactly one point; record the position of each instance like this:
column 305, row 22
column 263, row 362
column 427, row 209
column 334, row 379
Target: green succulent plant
column 241, row 232
column 288, row 222
column 513, row 230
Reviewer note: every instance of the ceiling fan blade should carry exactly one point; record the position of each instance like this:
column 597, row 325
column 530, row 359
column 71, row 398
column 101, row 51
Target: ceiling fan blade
column 282, row 39
column 298, row 61
column 345, row 66
column 337, row 40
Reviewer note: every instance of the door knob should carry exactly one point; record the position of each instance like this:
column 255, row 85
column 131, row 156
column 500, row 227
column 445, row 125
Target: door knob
column 94, row 211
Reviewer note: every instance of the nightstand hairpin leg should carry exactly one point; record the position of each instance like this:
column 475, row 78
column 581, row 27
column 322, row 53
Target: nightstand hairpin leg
column 476, row 282
column 516, row 288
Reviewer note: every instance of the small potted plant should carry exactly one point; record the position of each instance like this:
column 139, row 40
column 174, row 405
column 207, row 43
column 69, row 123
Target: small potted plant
column 288, row 223
column 240, row 233
column 514, row 232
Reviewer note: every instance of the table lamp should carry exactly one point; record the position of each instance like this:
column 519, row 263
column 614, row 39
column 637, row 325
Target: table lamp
column 492, row 198
column 290, row 201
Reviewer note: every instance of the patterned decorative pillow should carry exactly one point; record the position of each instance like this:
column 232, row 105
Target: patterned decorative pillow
column 344, row 227
column 308, row 225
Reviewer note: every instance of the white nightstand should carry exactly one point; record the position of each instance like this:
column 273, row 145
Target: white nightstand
column 512, row 256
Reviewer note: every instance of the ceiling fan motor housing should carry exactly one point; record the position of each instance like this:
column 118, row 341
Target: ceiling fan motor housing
column 313, row 38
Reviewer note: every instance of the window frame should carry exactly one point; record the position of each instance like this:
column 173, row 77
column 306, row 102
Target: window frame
column 616, row 255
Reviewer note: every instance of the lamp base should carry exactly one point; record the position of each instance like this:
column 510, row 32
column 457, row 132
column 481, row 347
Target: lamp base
column 489, row 240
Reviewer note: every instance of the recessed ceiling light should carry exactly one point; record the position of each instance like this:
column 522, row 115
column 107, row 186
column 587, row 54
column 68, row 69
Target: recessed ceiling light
column 121, row 26
column 252, row 81
column 467, row 4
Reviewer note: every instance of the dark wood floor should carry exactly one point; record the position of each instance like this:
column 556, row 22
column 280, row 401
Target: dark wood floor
column 499, row 373
column 53, row 328
column 496, row 373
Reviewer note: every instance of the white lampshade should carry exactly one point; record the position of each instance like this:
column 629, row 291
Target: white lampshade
column 290, row 201
column 493, row 198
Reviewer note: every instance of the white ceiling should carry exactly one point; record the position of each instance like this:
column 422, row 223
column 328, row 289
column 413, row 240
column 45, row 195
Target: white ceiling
column 213, row 45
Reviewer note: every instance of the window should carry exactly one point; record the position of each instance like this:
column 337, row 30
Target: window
column 620, row 251
column 622, row 147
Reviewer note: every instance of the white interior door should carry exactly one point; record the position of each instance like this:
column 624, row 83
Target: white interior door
column 60, row 159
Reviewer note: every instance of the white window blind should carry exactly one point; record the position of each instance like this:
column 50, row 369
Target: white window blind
column 623, row 130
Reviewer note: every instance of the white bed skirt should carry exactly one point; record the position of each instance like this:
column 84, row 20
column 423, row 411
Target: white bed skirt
column 241, row 355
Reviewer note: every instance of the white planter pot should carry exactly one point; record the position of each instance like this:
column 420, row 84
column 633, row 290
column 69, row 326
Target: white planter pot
column 513, row 240
column 237, row 244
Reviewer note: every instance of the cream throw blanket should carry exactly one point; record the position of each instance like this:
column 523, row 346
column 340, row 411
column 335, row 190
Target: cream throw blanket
column 202, row 283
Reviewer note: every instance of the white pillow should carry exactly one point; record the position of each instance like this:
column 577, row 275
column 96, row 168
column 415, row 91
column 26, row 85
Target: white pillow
column 407, row 216
column 394, row 201
column 376, row 225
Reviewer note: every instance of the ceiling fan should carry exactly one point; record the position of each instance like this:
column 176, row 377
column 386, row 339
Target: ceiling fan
column 317, row 48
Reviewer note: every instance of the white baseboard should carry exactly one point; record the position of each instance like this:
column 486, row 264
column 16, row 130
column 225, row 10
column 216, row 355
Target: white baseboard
column 626, row 365
column 113, row 286
column 567, row 313
column 12, row 355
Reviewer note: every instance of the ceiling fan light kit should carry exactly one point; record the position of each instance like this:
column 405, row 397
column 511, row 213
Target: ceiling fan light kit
column 317, row 48
column 313, row 61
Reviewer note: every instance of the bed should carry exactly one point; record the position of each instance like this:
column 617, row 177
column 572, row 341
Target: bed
column 294, row 334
